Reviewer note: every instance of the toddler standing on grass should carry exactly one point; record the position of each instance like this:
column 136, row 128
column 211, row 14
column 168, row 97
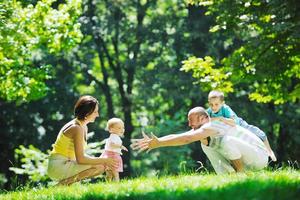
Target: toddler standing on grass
column 113, row 147
column 218, row 110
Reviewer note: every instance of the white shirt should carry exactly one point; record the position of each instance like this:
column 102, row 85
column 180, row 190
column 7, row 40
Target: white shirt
column 236, row 131
column 115, row 139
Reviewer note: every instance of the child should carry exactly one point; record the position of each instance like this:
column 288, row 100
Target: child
column 218, row 110
column 113, row 147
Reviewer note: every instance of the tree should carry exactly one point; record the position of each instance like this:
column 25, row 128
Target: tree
column 124, row 42
column 86, row 69
column 265, row 36
column 27, row 34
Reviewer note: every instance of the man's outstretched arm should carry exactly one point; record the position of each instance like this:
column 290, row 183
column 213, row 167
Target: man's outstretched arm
column 148, row 143
column 184, row 138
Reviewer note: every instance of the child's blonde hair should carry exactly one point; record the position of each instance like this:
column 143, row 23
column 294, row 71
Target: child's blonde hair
column 216, row 94
column 112, row 122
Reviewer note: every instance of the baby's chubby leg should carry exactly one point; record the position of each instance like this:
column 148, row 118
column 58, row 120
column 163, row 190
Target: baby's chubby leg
column 112, row 175
column 116, row 176
column 109, row 175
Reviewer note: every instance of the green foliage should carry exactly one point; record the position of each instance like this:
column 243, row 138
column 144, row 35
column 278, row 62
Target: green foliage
column 94, row 148
column 170, row 160
column 34, row 163
column 3, row 180
column 163, row 36
column 27, row 34
column 258, row 185
column 130, row 53
column 265, row 37
column 208, row 77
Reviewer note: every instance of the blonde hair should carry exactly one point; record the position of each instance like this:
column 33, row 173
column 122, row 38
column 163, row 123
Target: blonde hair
column 112, row 122
column 216, row 94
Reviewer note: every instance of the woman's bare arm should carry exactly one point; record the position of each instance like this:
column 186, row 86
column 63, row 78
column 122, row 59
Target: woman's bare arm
column 78, row 137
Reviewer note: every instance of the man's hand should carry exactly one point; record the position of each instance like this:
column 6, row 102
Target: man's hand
column 145, row 143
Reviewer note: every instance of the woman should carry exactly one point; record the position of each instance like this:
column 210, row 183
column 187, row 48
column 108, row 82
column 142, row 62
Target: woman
column 67, row 161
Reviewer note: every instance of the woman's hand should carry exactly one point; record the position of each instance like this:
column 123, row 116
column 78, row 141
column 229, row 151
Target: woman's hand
column 110, row 162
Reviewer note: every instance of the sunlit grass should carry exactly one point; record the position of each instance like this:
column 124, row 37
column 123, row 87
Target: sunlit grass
column 260, row 185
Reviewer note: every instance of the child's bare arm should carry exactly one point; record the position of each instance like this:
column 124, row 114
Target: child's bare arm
column 124, row 148
column 228, row 121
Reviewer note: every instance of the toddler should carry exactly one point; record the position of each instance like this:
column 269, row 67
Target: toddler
column 113, row 147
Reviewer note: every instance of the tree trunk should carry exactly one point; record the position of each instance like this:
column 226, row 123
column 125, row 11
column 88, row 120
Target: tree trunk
column 127, row 108
column 98, row 42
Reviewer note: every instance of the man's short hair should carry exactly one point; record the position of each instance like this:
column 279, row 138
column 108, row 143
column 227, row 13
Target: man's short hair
column 216, row 94
column 199, row 111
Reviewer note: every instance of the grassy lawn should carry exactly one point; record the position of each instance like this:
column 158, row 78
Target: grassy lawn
column 260, row 185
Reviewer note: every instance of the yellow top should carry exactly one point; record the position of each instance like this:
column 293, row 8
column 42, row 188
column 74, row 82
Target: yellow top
column 65, row 145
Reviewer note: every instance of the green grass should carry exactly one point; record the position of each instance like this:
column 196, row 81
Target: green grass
column 260, row 185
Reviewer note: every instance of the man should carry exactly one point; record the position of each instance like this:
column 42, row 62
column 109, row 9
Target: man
column 229, row 148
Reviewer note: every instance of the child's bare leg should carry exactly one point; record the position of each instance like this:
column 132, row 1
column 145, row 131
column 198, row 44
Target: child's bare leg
column 270, row 151
column 94, row 171
column 238, row 165
column 116, row 176
column 109, row 175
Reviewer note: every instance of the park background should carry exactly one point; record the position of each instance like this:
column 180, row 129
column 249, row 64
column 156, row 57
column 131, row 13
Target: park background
column 147, row 62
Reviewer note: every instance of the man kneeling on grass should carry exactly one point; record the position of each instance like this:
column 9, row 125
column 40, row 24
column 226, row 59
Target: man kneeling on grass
column 229, row 148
